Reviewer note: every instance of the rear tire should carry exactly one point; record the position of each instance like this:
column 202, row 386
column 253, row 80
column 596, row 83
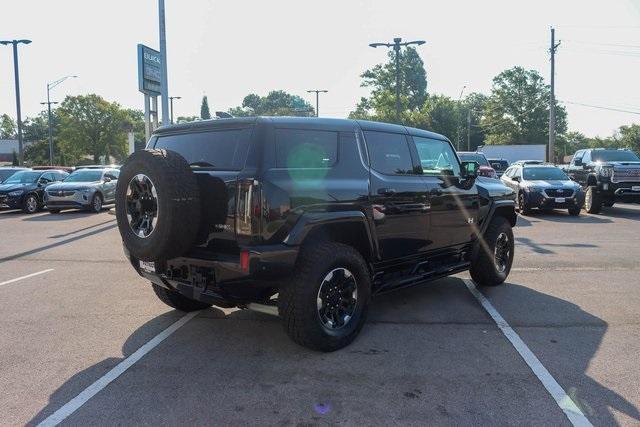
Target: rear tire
column 179, row 302
column 324, row 305
column 492, row 262
column 592, row 200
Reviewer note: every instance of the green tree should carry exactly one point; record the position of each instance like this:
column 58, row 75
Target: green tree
column 381, row 79
column 185, row 119
column 204, row 109
column 37, row 153
column 629, row 137
column 14, row 158
column 517, row 111
column 276, row 103
column 90, row 125
column 439, row 114
column 7, row 127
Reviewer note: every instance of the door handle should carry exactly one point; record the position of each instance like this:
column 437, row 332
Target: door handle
column 386, row 191
column 435, row 192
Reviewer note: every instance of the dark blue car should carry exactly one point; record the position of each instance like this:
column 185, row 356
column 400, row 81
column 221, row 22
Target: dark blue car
column 544, row 187
column 25, row 190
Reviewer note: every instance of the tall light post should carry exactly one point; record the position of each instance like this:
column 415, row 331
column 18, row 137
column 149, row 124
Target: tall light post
column 48, row 103
column 16, row 72
column 164, row 85
column 317, row 92
column 396, row 45
column 171, row 98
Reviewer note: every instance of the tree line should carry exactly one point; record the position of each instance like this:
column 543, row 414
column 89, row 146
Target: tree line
column 516, row 111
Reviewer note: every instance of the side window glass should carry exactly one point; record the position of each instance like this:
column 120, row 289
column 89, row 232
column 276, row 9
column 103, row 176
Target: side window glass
column 436, row 157
column 507, row 173
column 577, row 156
column 115, row 173
column 307, row 149
column 47, row 177
column 389, row 153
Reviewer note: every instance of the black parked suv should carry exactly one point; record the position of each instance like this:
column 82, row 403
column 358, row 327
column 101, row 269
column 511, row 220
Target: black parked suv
column 607, row 175
column 307, row 218
column 25, row 189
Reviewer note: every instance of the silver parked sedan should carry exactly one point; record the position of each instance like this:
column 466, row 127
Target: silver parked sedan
column 88, row 189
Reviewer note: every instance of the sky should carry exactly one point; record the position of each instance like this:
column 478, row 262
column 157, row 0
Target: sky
column 228, row 49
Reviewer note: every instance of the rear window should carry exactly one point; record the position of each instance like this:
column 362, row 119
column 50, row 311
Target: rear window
column 222, row 149
column 499, row 165
column 306, row 149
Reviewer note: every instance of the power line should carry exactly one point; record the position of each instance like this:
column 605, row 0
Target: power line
column 633, row 46
column 620, row 110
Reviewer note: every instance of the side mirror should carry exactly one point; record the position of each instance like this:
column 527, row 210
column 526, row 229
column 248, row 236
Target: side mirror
column 42, row 181
column 578, row 162
column 107, row 179
column 469, row 170
column 516, row 178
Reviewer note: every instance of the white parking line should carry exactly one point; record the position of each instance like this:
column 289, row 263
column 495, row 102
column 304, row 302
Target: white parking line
column 26, row 277
column 570, row 409
column 84, row 396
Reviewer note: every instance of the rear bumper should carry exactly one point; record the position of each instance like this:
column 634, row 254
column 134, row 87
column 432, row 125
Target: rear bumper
column 220, row 279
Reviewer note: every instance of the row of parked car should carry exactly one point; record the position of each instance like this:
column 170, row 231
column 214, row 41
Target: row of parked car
column 57, row 188
column 594, row 178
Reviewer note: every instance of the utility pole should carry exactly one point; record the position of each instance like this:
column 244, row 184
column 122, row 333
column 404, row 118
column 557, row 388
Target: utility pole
column 396, row 45
column 469, row 130
column 317, row 92
column 164, row 89
column 48, row 103
column 16, row 72
column 552, row 98
column 171, row 98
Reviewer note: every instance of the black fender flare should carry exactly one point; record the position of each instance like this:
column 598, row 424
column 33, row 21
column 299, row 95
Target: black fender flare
column 313, row 220
column 499, row 204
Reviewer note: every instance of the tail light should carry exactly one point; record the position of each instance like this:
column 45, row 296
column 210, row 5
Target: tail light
column 244, row 261
column 248, row 207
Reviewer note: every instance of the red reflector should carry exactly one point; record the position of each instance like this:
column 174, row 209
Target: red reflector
column 244, row 260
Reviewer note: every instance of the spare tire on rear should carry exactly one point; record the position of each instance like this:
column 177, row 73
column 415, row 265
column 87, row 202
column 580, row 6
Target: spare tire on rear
column 157, row 205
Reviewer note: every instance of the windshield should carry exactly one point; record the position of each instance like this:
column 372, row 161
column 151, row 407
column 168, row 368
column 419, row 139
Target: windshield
column 614, row 156
column 474, row 157
column 85, row 175
column 544, row 174
column 6, row 173
column 23, row 178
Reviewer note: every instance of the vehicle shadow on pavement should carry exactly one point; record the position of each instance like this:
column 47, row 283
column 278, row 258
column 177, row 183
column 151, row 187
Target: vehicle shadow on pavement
column 62, row 216
column 564, row 338
column 427, row 355
column 542, row 248
column 621, row 212
column 562, row 216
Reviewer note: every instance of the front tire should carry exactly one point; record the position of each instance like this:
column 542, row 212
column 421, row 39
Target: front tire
column 324, row 305
column 96, row 203
column 592, row 200
column 523, row 206
column 492, row 260
column 179, row 302
column 30, row 204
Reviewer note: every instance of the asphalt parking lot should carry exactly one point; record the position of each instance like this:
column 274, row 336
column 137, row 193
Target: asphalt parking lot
column 429, row 355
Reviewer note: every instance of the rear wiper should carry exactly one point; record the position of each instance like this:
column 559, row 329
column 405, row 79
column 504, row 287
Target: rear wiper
column 202, row 164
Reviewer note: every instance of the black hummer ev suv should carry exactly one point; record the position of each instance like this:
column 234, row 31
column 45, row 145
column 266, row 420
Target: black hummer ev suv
column 307, row 218
column 607, row 175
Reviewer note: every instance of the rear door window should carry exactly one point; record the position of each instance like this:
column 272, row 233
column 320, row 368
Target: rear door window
column 306, row 149
column 389, row 153
column 220, row 149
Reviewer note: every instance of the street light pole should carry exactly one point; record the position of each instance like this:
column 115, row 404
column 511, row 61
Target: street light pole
column 317, row 92
column 15, row 44
column 171, row 98
column 49, row 102
column 396, row 45
column 164, row 89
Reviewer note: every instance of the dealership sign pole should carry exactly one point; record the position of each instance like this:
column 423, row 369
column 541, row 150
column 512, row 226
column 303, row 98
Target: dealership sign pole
column 149, row 83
